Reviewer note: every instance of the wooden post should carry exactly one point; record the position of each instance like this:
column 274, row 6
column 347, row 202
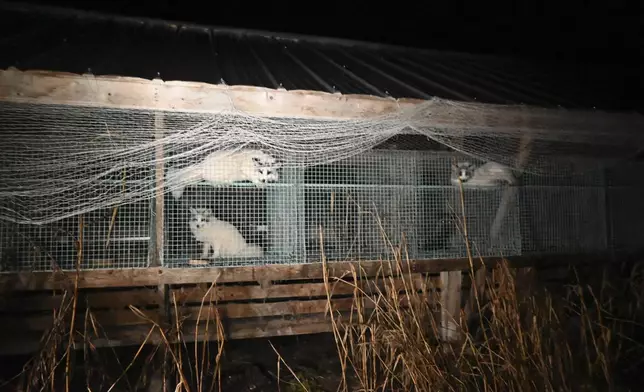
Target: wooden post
column 450, row 305
column 157, row 261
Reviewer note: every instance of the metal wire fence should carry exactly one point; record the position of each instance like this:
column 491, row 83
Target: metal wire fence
column 361, row 208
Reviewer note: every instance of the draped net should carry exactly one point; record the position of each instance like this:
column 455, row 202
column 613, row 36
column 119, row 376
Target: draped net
column 58, row 161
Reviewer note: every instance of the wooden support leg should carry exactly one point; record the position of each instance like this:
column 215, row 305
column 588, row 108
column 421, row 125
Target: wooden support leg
column 450, row 305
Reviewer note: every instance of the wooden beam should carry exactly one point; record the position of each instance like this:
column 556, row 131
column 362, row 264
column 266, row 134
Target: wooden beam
column 46, row 301
column 451, row 282
column 299, row 290
column 43, row 87
column 250, row 310
column 157, row 260
column 102, row 318
column 158, row 275
column 129, row 335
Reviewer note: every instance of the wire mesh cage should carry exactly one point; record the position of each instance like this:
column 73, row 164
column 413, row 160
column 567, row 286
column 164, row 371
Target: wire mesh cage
column 245, row 225
column 565, row 214
column 454, row 216
column 230, row 224
column 360, row 207
column 37, row 177
column 397, row 196
column 107, row 238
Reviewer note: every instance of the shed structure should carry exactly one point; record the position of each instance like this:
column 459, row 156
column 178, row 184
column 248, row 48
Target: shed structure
column 67, row 76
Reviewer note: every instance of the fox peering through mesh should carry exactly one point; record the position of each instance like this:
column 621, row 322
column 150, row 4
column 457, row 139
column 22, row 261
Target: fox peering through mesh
column 59, row 161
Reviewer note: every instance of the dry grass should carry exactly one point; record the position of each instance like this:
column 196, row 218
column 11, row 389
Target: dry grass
column 584, row 335
column 520, row 334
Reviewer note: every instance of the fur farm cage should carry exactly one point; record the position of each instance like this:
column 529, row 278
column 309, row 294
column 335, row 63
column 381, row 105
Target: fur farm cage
column 106, row 175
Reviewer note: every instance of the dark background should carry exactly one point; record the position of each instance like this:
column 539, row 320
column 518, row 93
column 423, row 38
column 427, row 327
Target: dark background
column 599, row 32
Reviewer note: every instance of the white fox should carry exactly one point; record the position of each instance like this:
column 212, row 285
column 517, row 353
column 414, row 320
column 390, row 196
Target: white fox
column 487, row 175
column 225, row 167
column 224, row 238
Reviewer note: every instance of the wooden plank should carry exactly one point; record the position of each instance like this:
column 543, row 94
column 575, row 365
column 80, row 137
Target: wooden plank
column 114, row 336
column 28, row 342
column 285, row 308
column 450, row 304
column 250, row 329
column 134, row 335
column 159, row 210
column 157, row 275
column 43, row 87
column 269, row 309
column 295, row 290
column 104, row 318
column 113, row 300
column 157, row 261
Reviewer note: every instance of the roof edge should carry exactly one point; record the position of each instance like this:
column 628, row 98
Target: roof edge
column 291, row 37
column 47, row 87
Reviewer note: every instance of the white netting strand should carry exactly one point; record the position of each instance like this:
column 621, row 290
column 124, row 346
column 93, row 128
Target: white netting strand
column 59, row 161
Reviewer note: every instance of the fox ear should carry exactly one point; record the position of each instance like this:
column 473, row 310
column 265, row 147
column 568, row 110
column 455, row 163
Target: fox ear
column 193, row 211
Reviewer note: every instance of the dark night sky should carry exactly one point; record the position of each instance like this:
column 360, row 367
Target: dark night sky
column 580, row 31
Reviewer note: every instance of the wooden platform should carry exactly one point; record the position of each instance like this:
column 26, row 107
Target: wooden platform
column 126, row 307
column 154, row 305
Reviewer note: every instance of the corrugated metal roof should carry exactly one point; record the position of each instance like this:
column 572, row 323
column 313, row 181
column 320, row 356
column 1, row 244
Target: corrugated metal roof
column 34, row 37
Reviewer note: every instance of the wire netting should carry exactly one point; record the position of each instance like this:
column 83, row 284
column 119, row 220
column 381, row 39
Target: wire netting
column 240, row 189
